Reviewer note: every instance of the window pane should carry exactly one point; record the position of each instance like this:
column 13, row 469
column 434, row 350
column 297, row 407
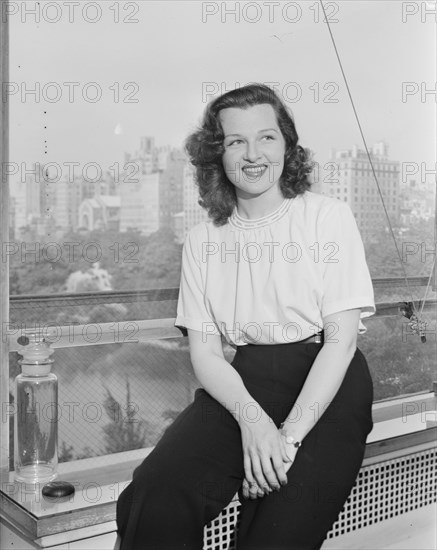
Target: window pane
column 103, row 195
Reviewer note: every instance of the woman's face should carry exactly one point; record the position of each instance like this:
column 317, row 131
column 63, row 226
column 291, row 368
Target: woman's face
column 254, row 149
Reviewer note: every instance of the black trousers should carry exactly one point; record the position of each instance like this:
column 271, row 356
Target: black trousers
column 197, row 467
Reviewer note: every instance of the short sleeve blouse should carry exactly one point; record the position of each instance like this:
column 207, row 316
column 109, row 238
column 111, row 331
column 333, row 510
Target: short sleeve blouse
column 273, row 279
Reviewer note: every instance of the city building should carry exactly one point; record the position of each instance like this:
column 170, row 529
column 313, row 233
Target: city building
column 139, row 189
column 152, row 193
column 100, row 213
column 139, row 203
column 171, row 187
column 146, row 159
column 353, row 181
column 178, row 224
column 192, row 212
column 69, row 194
column 28, row 193
column 44, row 205
column 417, row 203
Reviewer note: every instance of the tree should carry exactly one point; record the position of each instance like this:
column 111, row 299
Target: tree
column 66, row 454
column 124, row 432
column 400, row 363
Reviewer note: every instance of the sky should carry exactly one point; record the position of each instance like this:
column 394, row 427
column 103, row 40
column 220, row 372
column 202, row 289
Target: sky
column 179, row 53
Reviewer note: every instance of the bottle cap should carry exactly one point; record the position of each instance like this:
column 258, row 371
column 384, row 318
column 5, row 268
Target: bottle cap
column 36, row 354
column 57, row 489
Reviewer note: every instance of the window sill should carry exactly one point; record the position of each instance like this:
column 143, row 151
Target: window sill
column 90, row 512
column 410, row 531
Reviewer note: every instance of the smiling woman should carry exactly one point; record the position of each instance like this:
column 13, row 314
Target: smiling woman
column 253, row 159
column 247, row 139
column 252, row 427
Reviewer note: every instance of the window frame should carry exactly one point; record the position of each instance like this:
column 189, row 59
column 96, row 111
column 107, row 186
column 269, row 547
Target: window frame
column 395, row 445
column 4, row 232
column 162, row 328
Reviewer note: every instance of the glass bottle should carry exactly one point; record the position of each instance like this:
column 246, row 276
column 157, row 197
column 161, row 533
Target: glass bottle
column 36, row 418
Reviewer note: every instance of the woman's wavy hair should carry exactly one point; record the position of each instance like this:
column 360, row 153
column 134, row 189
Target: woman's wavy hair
column 205, row 149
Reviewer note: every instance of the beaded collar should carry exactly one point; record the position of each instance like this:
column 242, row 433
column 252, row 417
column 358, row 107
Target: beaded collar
column 243, row 223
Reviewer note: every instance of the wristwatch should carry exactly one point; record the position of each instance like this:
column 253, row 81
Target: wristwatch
column 289, row 438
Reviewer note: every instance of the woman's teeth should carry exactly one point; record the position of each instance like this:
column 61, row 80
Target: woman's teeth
column 254, row 170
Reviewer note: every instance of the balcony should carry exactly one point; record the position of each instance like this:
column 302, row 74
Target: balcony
column 392, row 504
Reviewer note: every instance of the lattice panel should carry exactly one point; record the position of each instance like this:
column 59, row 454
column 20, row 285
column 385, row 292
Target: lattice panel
column 382, row 490
column 220, row 533
column 387, row 489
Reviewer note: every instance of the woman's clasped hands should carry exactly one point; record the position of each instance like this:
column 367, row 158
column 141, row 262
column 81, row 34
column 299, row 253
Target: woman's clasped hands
column 267, row 456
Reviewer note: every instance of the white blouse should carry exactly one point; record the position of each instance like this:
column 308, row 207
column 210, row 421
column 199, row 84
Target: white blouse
column 272, row 280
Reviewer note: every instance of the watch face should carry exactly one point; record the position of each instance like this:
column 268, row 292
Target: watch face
column 290, row 439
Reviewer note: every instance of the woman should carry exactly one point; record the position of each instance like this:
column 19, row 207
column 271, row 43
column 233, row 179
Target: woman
column 281, row 273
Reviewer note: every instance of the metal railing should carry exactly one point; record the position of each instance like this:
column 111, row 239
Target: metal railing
column 129, row 331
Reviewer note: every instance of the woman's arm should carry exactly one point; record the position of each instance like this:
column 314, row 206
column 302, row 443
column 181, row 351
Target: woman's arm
column 326, row 374
column 324, row 379
column 264, row 453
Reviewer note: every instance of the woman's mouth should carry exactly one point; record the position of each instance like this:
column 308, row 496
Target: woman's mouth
column 254, row 171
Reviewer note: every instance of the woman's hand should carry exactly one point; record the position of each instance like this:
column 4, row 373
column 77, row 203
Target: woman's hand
column 253, row 490
column 264, row 453
column 267, row 457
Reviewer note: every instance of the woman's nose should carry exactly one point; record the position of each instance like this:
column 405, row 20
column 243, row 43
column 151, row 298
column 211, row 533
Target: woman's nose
column 252, row 153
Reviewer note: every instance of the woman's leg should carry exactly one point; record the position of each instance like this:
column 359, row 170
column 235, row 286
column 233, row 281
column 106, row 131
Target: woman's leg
column 299, row 516
column 192, row 474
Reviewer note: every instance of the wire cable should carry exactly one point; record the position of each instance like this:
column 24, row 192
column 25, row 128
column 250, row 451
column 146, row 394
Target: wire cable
column 368, row 156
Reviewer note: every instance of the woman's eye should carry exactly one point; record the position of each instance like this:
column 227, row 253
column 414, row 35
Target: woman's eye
column 235, row 142
column 268, row 138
